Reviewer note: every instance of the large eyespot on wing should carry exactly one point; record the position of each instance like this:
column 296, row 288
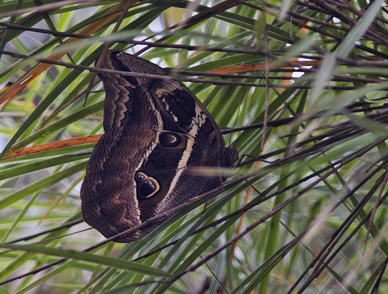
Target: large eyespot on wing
column 170, row 139
column 146, row 186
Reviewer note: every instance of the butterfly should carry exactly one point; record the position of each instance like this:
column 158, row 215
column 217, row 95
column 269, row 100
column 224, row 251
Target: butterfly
column 157, row 135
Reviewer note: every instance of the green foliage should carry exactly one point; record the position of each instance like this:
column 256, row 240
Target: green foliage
column 300, row 87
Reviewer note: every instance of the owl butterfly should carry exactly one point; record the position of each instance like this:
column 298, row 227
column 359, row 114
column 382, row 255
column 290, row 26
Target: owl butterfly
column 157, row 134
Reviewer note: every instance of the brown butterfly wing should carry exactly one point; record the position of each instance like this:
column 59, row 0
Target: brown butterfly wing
column 156, row 134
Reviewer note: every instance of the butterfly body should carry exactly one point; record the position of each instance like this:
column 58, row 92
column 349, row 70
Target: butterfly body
column 157, row 133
